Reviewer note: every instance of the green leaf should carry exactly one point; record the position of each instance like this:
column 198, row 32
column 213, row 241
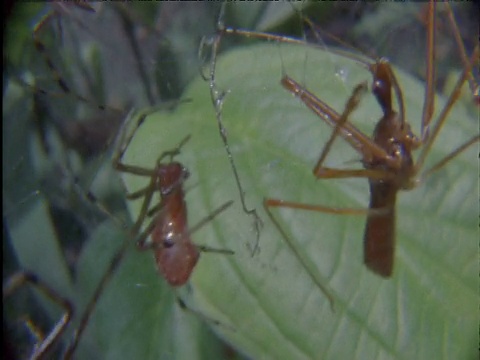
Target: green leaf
column 268, row 305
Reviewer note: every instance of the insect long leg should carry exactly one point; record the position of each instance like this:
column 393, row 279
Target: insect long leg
column 429, row 102
column 352, row 103
column 138, row 194
column 452, row 155
column 137, row 170
column 145, row 205
column 270, row 202
column 204, row 221
column 474, row 87
column 174, row 152
column 357, row 139
column 142, row 238
column 44, row 345
column 203, row 248
column 430, row 92
column 210, row 217
column 443, row 117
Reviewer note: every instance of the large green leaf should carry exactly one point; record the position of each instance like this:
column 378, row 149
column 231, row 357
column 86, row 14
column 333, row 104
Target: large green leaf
column 269, row 305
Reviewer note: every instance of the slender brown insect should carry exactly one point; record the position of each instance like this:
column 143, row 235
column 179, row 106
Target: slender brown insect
column 387, row 156
column 175, row 253
column 459, row 43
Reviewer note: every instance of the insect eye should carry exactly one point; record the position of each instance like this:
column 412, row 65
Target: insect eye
column 168, row 241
